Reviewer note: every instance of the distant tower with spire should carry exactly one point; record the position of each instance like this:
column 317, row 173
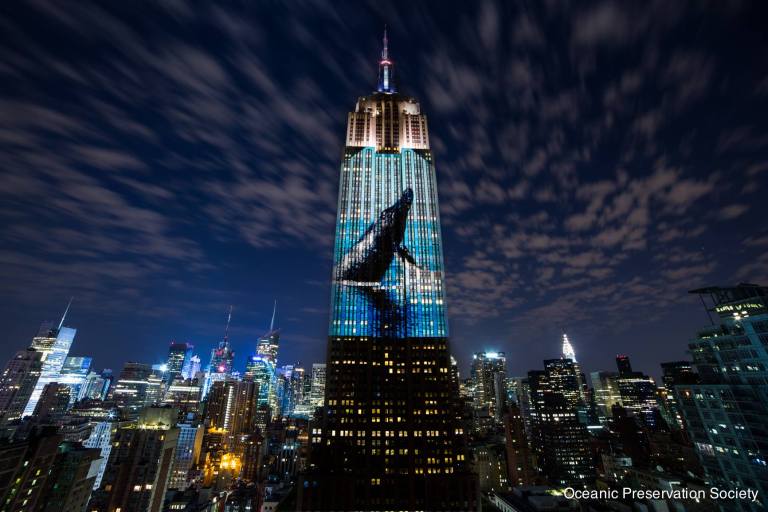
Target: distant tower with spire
column 386, row 69
column 222, row 358
column 270, row 342
column 568, row 352
column 54, row 343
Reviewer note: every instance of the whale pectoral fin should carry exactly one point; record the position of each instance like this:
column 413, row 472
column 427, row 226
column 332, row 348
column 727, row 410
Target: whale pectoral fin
column 402, row 251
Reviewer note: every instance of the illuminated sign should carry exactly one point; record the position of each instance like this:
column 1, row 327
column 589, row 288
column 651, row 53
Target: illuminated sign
column 742, row 309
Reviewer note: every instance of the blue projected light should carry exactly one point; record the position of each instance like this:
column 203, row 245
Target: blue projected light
column 388, row 263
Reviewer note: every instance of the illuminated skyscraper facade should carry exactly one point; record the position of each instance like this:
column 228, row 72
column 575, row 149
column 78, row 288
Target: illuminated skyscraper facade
column 179, row 360
column 54, row 343
column 17, row 382
column 489, row 376
column 270, row 343
column 726, row 408
column 222, row 357
column 387, row 438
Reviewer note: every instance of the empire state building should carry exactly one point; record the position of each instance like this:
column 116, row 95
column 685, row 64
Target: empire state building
column 388, row 437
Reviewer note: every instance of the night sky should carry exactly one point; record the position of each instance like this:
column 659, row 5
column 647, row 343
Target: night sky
column 595, row 162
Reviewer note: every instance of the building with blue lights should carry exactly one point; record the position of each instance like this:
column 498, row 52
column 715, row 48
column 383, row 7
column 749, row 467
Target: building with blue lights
column 262, row 371
column 727, row 412
column 54, row 343
column 179, row 360
column 387, row 437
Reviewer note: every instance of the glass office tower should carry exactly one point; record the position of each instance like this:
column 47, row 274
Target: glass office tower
column 725, row 409
column 387, row 438
column 54, row 343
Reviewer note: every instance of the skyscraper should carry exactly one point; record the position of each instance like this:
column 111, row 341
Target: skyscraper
column 269, row 344
column 317, row 388
column 727, row 412
column 262, row 371
column 388, row 438
column 74, row 375
column 221, row 360
column 179, row 360
column 676, row 373
column 489, row 376
column 637, row 391
column 17, row 382
column 71, row 478
column 560, row 439
column 140, row 463
column 54, row 343
column 24, row 469
column 568, row 352
column 137, row 387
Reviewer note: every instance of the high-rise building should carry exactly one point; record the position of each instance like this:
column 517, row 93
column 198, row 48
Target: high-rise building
column 317, row 389
column 184, row 395
column 17, row 382
column 96, row 386
column 389, row 437
column 187, row 454
column 564, row 377
column 179, row 360
column 53, row 403
column 74, row 375
column 291, row 393
column 70, row 482
column 560, row 439
column 139, row 467
column 520, row 463
column 676, row 373
column 634, row 391
column 232, row 406
column 138, row 386
column 262, row 371
column 606, row 393
column 297, row 388
column 193, row 368
column 54, row 343
column 637, row 391
column 222, row 357
column 726, row 413
column 489, row 377
column 269, row 344
column 101, row 436
column 623, row 364
column 24, row 469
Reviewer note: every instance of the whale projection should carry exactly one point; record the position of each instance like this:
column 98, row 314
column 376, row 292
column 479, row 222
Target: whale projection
column 368, row 260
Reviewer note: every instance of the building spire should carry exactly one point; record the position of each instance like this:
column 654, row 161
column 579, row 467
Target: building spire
column 386, row 68
column 274, row 312
column 226, row 329
column 568, row 352
column 64, row 316
column 385, row 50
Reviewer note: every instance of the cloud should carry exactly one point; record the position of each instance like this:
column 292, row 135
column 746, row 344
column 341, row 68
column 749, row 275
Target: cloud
column 733, row 211
column 605, row 23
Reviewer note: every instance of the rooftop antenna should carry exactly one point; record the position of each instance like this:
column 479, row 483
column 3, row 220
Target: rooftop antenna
column 64, row 316
column 226, row 329
column 385, row 50
column 274, row 312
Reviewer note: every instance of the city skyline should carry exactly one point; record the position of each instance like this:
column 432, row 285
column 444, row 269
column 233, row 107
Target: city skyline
column 129, row 191
column 547, row 287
